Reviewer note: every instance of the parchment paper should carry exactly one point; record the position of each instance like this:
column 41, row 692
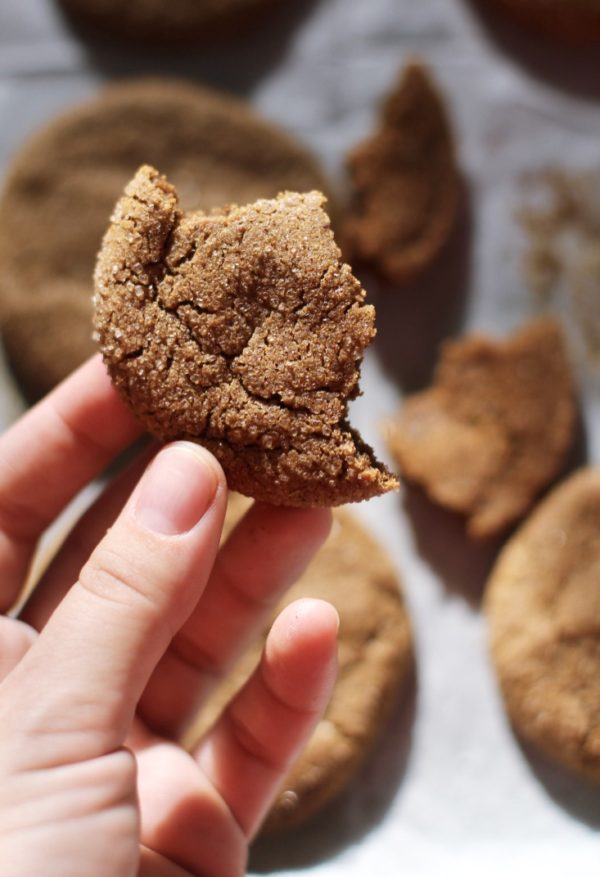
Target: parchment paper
column 450, row 790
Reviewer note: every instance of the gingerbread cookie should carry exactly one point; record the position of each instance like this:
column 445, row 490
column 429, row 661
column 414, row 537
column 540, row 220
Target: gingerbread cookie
column 570, row 21
column 63, row 185
column 406, row 183
column 353, row 572
column 170, row 20
column 543, row 608
column 242, row 330
column 494, row 429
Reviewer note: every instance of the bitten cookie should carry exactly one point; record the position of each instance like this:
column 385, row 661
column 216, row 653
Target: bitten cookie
column 63, row 185
column 406, row 182
column 242, row 330
column 543, row 608
column 495, row 427
column 570, row 21
column 353, row 572
column 171, row 20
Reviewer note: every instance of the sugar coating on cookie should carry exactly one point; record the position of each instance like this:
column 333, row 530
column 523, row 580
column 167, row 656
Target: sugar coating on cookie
column 242, row 330
column 354, row 573
column 494, row 428
column 543, row 607
column 406, row 182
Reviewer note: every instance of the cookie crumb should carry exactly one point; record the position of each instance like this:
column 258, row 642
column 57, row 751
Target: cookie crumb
column 561, row 261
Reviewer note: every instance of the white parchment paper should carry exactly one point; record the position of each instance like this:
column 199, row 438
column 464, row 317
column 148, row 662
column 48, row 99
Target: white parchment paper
column 450, row 790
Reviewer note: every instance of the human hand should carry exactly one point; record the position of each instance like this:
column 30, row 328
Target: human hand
column 92, row 780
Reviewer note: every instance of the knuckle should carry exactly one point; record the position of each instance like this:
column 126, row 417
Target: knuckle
column 110, row 576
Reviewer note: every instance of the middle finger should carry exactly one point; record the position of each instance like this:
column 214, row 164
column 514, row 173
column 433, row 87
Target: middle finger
column 264, row 555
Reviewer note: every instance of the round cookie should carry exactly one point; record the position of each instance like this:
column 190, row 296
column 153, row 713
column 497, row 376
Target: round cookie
column 571, row 21
column 63, row 185
column 170, row 20
column 543, row 608
column 353, row 572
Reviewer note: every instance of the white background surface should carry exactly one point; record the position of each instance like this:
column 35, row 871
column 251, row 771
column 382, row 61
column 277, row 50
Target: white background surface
column 450, row 791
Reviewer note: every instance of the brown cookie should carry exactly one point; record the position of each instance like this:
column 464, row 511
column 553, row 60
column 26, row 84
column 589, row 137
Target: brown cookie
column 543, row 608
column 570, row 21
column 170, row 20
column 406, row 183
column 353, row 572
column 242, row 330
column 63, row 185
column 494, row 429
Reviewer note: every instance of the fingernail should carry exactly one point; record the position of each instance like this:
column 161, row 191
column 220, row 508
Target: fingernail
column 176, row 490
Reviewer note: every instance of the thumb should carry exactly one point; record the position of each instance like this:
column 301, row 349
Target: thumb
column 77, row 688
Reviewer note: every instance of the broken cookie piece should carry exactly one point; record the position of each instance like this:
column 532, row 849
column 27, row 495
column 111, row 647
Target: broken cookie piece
column 242, row 330
column 406, row 183
column 494, row 429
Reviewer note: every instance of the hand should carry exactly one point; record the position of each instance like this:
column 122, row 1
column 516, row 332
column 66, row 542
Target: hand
column 98, row 678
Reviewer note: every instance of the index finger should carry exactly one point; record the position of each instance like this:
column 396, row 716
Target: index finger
column 48, row 455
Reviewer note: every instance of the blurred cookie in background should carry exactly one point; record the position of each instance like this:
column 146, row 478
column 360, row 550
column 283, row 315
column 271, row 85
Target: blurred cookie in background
column 494, row 429
column 569, row 21
column 170, row 21
column 543, row 608
column 63, row 184
column 376, row 665
column 405, row 181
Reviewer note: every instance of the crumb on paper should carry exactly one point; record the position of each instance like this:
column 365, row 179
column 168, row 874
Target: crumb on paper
column 561, row 264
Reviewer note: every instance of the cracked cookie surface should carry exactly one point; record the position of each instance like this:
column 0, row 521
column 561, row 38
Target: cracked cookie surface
column 63, row 184
column 406, row 182
column 495, row 427
column 242, row 330
column 353, row 572
column 543, row 608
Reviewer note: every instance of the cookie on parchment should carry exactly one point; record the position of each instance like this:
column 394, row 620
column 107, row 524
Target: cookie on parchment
column 171, row 20
column 405, row 181
column 494, row 428
column 353, row 572
column 63, row 185
column 240, row 329
column 570, row 21
column 543, row 608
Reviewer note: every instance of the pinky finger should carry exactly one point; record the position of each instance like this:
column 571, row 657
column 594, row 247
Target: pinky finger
column 250, row 749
